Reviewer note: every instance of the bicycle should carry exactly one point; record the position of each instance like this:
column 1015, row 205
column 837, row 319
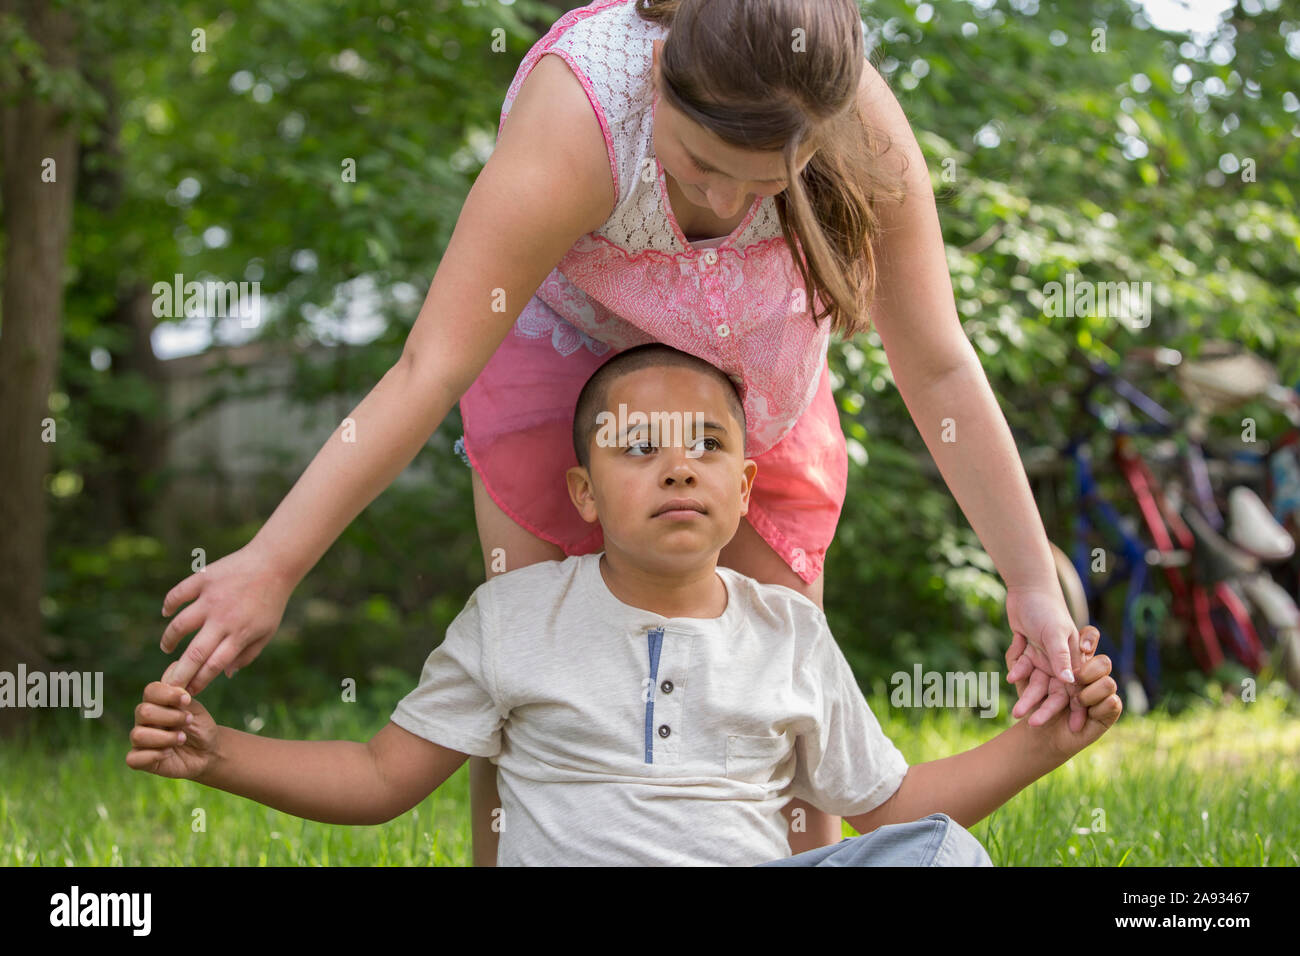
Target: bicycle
column 1206, row 572
column 1214, row 598
column 1225, row 376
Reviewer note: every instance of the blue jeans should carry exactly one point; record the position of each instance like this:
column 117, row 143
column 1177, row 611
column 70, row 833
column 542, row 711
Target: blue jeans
column 459, row 449
column 936, row 840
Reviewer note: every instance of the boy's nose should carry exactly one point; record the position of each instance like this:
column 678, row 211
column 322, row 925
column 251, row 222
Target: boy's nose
column 681, row 467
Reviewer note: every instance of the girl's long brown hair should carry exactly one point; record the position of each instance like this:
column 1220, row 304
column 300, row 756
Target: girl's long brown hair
column 775, row 75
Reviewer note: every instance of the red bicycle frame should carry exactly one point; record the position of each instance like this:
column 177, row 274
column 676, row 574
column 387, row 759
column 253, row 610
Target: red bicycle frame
column 1192, row 601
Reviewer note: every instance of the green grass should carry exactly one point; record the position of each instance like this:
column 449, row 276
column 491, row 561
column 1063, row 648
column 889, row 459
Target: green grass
column 1216, row 785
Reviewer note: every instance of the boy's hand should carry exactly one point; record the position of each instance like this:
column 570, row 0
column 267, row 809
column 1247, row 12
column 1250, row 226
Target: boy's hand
column 174, row 735
column 1096, row 693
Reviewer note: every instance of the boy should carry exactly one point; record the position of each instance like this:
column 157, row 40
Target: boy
column 643, row 705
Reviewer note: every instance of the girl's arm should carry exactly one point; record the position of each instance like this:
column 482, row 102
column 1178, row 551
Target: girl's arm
column 539, row 192
column 332, row 781
column 937, row 370
column 940, row 377
column 547, row 183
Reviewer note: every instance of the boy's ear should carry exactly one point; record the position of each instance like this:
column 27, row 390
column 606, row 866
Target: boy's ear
column 580, row 493
column 747, row 474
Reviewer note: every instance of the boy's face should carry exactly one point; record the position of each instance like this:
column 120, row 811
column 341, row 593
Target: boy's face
column 632, row 481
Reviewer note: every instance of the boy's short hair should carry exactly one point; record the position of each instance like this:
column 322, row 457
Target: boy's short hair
column 594, row 397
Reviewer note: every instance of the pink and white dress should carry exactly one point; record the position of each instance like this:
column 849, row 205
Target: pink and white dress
column 736, row 301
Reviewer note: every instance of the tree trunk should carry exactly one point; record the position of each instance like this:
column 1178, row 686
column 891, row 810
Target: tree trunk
column 37, row 220
column 122, row 491
column 141, row 451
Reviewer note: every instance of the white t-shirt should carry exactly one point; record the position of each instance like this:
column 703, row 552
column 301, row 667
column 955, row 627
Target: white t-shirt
column 625, row 738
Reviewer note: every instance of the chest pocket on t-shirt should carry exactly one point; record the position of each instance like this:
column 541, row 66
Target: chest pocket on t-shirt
column 755, row 759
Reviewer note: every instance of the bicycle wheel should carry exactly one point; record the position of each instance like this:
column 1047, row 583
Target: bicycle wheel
column 1288, row 661
column 1072, row 587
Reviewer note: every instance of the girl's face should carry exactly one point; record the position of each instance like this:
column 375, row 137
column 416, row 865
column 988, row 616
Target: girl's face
column 710, row 172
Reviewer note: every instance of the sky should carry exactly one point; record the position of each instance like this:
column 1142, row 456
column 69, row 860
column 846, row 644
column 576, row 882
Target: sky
column 1198, row 16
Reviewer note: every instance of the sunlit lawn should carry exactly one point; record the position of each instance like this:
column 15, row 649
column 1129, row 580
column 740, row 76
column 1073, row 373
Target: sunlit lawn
column 1214, row 786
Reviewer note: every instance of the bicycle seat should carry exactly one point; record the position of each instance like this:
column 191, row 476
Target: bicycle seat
column 1224, row 376
column 1219, row 556
column 1273, row 601
column 1254, row 529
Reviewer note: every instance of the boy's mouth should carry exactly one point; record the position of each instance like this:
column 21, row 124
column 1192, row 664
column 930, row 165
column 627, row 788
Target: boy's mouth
column 680, row 508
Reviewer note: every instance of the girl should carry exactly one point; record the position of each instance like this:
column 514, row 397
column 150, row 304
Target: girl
column 705, row 173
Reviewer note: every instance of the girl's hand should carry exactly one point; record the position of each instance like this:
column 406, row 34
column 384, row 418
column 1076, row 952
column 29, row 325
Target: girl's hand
column 1045, row 647
column 174, row 735
column 236, row 603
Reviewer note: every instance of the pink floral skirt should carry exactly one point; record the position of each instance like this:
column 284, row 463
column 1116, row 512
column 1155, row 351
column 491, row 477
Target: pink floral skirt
column 518, row 418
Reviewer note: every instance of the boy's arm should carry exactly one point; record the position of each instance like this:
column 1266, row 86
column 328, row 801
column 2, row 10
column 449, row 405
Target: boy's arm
column 971, row 785
column 341, row 781
column 332, row 781
column 968, row 786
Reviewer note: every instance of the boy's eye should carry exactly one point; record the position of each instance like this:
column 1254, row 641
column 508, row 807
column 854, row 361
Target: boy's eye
column 634, row 446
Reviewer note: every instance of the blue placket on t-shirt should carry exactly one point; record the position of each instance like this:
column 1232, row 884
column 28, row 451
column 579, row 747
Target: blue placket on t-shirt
column 656, row 640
